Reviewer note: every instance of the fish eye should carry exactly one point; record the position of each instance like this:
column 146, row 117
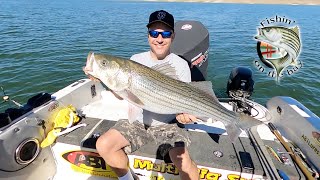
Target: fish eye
column 104, row 63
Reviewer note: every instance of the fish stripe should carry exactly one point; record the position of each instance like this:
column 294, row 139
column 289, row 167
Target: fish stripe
column 296, row 42
column 164, row 85
column 160, row 84
column 289, row 36
column 292, row 41
column 292, row 46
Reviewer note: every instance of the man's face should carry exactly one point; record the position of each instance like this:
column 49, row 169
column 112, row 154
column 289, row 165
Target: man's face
column 160, row 46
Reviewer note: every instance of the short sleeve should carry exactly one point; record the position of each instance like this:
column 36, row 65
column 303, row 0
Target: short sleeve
column 182, row 68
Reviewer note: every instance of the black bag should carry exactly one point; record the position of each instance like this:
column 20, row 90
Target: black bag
column 32, row 103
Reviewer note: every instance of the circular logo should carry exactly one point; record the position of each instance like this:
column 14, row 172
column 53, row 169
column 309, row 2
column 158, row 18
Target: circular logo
column 218, row 154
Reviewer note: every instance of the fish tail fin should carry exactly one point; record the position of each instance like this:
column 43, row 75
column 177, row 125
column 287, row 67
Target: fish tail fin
column 243, row 122
column 233, row 131
column 246, row 121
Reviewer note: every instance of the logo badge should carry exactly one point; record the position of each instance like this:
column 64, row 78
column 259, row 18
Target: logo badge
column 161, row 15
column 278, row 47
column 186, row 27
column 88, row 163
column 199, row 59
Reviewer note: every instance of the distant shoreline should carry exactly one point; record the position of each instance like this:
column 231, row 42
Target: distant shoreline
column 289, row 2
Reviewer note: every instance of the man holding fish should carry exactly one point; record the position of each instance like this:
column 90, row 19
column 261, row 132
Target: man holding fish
column 142, row 125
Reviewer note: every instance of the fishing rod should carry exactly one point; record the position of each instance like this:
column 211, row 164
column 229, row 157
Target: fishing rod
column 293, row 155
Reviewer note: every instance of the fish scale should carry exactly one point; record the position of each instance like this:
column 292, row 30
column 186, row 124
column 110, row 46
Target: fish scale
column 287, row 35
column 166, row 86
column 294, row 45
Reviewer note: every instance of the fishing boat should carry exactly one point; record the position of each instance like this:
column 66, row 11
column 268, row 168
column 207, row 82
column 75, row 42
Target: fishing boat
column 285, row 146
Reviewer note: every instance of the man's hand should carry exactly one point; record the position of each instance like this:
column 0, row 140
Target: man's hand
column 185, row 118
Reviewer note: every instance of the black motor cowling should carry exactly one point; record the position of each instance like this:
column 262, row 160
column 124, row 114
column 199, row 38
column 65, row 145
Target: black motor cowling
column 191, row 42
column 240, row 83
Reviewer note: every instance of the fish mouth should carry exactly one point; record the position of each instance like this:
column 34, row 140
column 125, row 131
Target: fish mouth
column 89, row 64
column 260, row 31
column 259, row 35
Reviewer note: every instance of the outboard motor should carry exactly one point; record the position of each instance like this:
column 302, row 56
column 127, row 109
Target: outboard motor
column 240, row 83
column 192, row 44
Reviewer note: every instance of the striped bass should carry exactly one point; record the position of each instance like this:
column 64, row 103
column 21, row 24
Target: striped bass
column 154, row 91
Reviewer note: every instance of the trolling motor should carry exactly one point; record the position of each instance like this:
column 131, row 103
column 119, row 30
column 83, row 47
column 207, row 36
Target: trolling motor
column 240, row 88
column 240, row 83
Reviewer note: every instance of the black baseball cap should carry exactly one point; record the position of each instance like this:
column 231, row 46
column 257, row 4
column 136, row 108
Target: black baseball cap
column 161, row 16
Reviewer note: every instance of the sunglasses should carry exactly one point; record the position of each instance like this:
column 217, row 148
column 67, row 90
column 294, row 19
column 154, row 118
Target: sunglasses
column 164, row 34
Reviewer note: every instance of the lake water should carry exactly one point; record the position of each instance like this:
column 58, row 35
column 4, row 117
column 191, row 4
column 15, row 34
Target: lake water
column 44, row 44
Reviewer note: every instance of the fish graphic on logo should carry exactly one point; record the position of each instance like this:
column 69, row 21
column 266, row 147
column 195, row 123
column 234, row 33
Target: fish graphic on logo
column 279, row 47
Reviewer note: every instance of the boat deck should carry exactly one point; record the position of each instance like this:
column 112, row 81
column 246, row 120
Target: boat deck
column 210, row 148
column 207, row 149
column 73, row 155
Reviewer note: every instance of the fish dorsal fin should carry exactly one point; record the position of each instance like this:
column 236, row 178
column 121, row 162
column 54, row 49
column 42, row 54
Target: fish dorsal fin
column 205, row 86
column 166, row 69
column 296, row 30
